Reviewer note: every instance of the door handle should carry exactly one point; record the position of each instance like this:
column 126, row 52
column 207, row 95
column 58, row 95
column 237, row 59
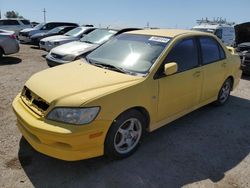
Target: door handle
column 197, row 74
column 224, row 64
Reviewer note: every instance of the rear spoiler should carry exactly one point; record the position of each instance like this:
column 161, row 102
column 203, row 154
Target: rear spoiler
column 232, row 50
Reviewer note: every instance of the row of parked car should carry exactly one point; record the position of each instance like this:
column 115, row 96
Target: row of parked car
column 66, row 41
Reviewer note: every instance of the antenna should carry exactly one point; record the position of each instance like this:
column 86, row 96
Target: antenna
column 44, row 15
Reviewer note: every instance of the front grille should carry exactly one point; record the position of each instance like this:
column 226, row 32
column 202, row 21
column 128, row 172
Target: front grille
column 42, row 42
column 34, row 101
column 57, row 56
column 24, row 34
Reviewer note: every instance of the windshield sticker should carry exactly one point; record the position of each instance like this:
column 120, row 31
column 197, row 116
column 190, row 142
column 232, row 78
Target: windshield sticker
column 159, row 39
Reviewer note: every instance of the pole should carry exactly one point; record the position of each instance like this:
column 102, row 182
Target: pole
column 44, row 15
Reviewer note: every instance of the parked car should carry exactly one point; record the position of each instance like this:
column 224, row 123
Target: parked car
column 35, row 39
column 25, row 34
column 51, row 42
column 8, row 43
column 74, row 50
column 137, row 81
column 242, row 44
column 15, row 25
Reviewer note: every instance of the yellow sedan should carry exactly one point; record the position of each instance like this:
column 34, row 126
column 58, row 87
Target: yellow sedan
column 136, row 82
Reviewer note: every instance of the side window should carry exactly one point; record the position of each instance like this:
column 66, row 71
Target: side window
column 11, row 22
column 218, row 33
column 222, row 52
column 25, row 22
column 185, row 54
column 211, row 51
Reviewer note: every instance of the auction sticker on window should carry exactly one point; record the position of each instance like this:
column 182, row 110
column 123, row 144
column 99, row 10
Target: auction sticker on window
column 159, row 39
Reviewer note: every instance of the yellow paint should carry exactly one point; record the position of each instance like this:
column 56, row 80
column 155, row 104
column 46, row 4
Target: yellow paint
column 82, row 85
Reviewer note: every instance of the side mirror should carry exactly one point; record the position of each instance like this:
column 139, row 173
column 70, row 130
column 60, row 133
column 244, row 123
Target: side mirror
column 170, row 68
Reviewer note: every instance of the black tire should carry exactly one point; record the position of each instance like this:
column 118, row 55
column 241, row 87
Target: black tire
column 111, row 148
column 1, row 53
column 224, row 92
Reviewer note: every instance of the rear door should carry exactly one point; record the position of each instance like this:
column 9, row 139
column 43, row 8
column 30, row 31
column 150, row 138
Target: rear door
column 214, row 67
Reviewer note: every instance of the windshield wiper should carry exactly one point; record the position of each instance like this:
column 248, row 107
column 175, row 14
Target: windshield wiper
column 86, row 41
column 110, row 67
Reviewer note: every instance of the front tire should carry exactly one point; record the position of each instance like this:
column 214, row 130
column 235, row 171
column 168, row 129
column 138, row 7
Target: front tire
column 1, row 53
column 125, row 135
column 224, row 93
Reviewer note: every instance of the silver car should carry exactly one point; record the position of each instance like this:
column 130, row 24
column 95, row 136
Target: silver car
column 25, row 34
column 14, row 24
column 8, row 43
column 74, row 50
column 73, row 35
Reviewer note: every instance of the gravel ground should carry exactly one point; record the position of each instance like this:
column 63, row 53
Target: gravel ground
column 207, row 148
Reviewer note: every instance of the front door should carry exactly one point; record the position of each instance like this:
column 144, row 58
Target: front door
column 182, row 90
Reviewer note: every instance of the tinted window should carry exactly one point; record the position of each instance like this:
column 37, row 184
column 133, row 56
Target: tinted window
column 222, row 52
column 210, row 50
column 66, row 29
column 184, row 54
column 10, row 22
column 25, row 22
column 218, row 33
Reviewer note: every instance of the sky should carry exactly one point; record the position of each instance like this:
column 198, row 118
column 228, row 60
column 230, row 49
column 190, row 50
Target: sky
column 131, row 13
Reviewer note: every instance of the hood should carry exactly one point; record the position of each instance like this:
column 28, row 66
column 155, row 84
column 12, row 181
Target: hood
column 27, row 30
column 57, row 38
column 75, row 78
column 75, row 48
column 242, row 33
column 38, row 35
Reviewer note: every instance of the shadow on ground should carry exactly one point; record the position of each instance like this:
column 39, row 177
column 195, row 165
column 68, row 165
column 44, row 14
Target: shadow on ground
column 202, row 145
column 7, row 60
column 35, row 47
column 245, row 77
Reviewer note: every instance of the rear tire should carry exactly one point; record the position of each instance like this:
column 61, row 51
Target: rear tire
column 125, row 135
column 224, row 93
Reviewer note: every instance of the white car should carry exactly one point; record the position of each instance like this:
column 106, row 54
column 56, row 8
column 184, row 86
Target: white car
column 15, row 25
column 8, row 43
column 73, row 35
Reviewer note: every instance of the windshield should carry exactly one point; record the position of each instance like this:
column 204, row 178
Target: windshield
column 130, row 52
column 55, row 30
column 39, row 26
column 98, row 36
column 73, row 32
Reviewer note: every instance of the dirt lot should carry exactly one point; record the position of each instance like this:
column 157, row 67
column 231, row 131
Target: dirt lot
column 207, row 148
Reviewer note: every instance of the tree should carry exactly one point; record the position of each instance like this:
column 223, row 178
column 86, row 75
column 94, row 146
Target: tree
column 12, row 14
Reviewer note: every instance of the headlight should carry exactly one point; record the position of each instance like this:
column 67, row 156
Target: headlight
column 69, row 57
column 77, row 116
column 56, row 43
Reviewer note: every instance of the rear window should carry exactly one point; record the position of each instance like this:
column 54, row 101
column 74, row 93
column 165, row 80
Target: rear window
column 25, row 22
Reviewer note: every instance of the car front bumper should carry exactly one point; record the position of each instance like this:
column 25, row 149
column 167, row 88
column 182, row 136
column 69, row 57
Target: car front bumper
column 60, row 142
column 24, row 39
column 51, row 61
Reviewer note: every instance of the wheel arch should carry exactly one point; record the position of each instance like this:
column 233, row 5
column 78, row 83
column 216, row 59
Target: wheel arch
column 232, row 79
column 140, row 109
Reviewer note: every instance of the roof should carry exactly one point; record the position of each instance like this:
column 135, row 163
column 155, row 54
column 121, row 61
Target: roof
column 211, row 26
column 163, row 32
